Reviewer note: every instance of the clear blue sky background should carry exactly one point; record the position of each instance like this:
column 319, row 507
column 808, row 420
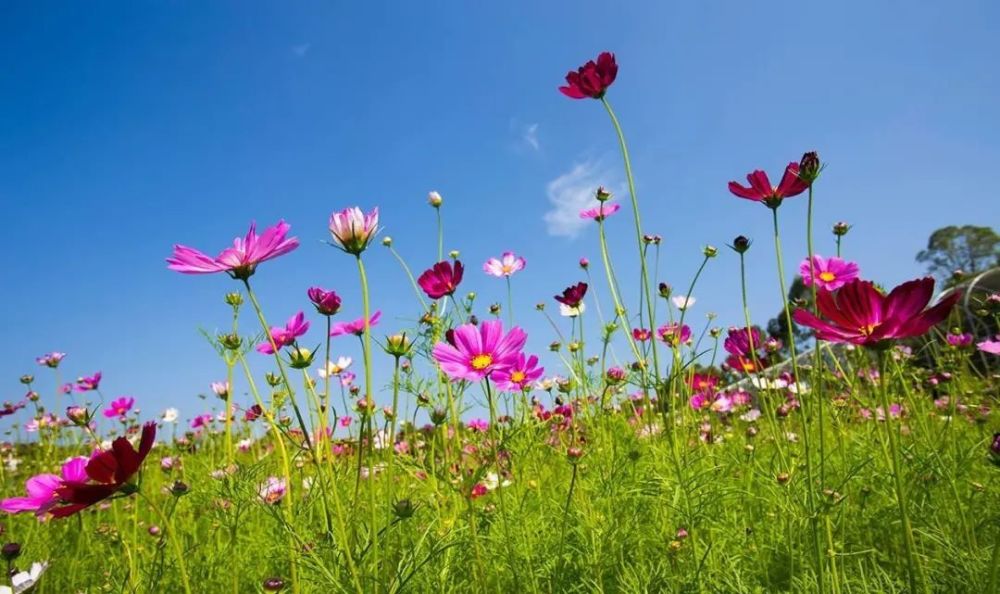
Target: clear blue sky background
column 127, row 127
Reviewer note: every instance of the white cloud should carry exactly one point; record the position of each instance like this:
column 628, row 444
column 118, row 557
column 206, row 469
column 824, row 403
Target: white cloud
column 570, row 193
column 301, row 49
column 529, row 134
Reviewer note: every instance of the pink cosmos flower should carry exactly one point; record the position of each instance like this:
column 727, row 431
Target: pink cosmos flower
column 51, row 359
column 201, row 421
column 761, row 190
column 295, row 327
column 478, row 425
column 601, row 211
column 86, row 384
column 241, row 260
column 273, row 490
column 473, row 353
column 700, row 382
column 674, row 334
column 520, row 375
column 831, row 273
column 860, row 314
column 441, row 279
column 989, row 346
column 42, row 489
column 699, row 401
column 119, row 407
column 357, row 327
column 959, row 340
column 352, row 230
column 507, row 265
column 220, row 389
column 327, row 302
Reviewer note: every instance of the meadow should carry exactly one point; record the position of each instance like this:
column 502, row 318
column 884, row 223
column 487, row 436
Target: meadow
column 855, row 453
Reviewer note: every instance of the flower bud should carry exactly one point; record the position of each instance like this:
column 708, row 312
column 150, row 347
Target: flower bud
column 584, row 263
column 272, row 379
column 574, row 454
column 554, row 346
column 398, row 345
column 495, row 309
column 273, row 584
column 453, row 254
column 809, row 167
column 841, row 228
column 434, row 199
column 387, row 241
column 664, row 289
column 710, row 251
column 27, row 379
column 783, row 478
column 741, row 244
column 301, row 358
column 652, row 239
column 234, row 299
column 403, row 509
column 153, row 530
column 179, row 489
column 78, row 415
column 615, row 375
column 540, row 306
column 11, row 551
column 231, row 341
column 602, row 194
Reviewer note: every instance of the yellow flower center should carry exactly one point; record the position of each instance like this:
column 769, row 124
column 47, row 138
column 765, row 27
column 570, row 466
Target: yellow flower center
column 827, row 276
column 517, row 377
column 507, row 269
column 480, row 362
column 868, row 329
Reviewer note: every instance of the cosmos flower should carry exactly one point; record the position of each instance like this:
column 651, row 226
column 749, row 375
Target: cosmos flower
column 475, row 352
column 989, row 346
column 295, row 327
column 86, row 384
column 741, row 343
column 441, row 279
column 334, row 368
column 220, row 389
column 520, row 375
column 592, row 79
column 701, row 382
column 673, row 334
column 22, row 581
column 42, row 488
column 273, row 490
column 241, row 260
column 51, row 359
column 600, row 212
column 357, row 327
column 761, row 190
column 352, row 230
column 959, row 340
column 202, row 421
column 506, row 266
column 170, row 415
column 572, row 296
column 683, row 302
column 119, row 407
column 860, row 314
column 831, row 273
column 327, row 302
column 641, row 334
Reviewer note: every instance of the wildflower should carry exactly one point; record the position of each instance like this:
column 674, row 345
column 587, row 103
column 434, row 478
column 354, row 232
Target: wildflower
column 170, row 415
column 700, row 382
column 741, row 342
column 959, row 340
column 592, row 79
column 830, row 273
column 22, row 581
column 741, row 244
column 478, row 490
column 615, row 375
column 239, row 261
column 478, row 426
column 682, row 302
column 584, row 263
column 327, row 302
column 357, row 327
column 221, row 389
column 761, row 190
column 295, row 327
column 398, row 345
column 334, row 368
column 673, row 334
column 506, row 266
column 273, row 490
column 476, row 352
column 352, row 230
column 573, row 296
column 42, row 489
column 641, row 334
column 989, row 346
column 601, row 211
column 441, row 279
column 434, row 199
column 521, row 374
column 78, row 415
column 860, row 314
column 119, row 407
column 202, row 421
column 841, row 228
column 710, row 251
column 86, row 384
column 51, row 359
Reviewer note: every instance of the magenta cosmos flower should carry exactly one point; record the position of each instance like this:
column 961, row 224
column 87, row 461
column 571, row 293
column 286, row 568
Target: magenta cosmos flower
column 86, row 384
column 357, row 327
column 473, row 353
column 353, row 230
column 506, row 266
column 861, row 314
column 282, row 337
column 241, row 260
column 830, row 273
column 441, row 279
column 761, row 190
column 592, row 79
column 41, row 489
column 520, row 375
column 673, row 334
column 327, row 302
column 601, row 211
column 119, row 407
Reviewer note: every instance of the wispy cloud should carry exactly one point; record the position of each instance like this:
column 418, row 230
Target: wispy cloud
column 301, row 49
column 529, row 134
column 572, row 192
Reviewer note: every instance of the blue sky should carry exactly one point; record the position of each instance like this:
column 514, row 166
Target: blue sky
column 130, row 126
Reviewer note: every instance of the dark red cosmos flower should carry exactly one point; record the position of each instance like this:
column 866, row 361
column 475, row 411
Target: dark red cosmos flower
column 441, row 279
column 592, row 79
column 761, row 190
column 109, row 471
column 860, row 314
column 327, row 302
column 572, row 296
column 253, row 413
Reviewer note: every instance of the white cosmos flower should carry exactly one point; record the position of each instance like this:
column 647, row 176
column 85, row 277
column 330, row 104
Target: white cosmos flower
column 683, row 302
column 334, row 368
column 170, row 415
column 571, row 312
column 24, row 580
column 491, row 481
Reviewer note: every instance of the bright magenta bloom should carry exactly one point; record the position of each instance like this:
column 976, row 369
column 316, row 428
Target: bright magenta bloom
column 239, row 261
column 327, row 302
column 831, row 274
column 441, row 279
column 592, row 79
column 282, row 337
column 674, row 334
column 522, row 374
column 641, row 334
column 357, row 327
column 860, row 314
column 473, row 353
column 352, row 230
column 601, row 211
column 761, row 190
column 507, row 265
column 119, row 407
column 741, row 343
column 42, row 489
column 86, row 384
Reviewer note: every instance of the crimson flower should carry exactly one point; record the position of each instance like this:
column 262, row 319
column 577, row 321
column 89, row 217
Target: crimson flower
column 592, row 79
column 861, row 314
column 441, row 279
column 107, row 472
column 761, row 190
column 572, row 296
column 327, row 302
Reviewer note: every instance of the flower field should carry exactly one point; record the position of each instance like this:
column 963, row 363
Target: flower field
column 633, row 448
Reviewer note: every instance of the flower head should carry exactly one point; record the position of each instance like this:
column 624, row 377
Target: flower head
column 601, row 211
column 239, row 261
column 86, row 384
column 327, row 302
column 51, row 359
column 572, row 296
column 357, row 327
column 861, row 314
column 673, row 334
column 119, row 407
column 682, row 302
column 761, row 190
column 592, row 79
column 282, row 337
column 41, row 489
column 989, row 346
column 830, row 273
column 352, row 230
column 475, row 352
column 741, row 342
column 506, row 266
column 441, row 279
column 273, row 490
column 521, row 375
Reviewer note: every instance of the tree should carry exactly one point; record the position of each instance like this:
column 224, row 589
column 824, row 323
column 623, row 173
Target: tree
column 968, row 248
